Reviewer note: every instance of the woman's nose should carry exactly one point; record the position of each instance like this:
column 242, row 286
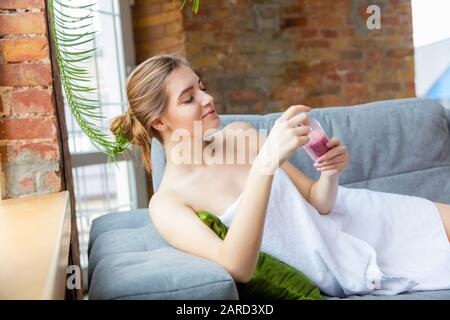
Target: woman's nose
column 206, row 99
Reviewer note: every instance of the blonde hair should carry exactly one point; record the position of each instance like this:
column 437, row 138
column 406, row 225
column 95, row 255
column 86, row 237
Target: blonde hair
column 147, row 98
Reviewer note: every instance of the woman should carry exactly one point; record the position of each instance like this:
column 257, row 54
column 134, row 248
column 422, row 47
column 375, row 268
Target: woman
column 167, row 100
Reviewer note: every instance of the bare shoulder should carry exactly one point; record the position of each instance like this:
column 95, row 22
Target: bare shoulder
column 172, row 217
column 180, row 226
column 162, row 200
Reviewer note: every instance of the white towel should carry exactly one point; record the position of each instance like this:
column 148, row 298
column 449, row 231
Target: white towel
column 371, row 242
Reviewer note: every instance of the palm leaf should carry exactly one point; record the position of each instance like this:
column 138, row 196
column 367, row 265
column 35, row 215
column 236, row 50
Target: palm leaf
column 195, row 5
column 67, row 27
column 68, row 41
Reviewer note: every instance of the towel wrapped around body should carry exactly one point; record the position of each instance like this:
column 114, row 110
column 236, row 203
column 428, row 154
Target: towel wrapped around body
column 371, row 242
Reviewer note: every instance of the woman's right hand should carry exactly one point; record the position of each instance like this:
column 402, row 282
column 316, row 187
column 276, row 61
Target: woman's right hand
column 289, row 132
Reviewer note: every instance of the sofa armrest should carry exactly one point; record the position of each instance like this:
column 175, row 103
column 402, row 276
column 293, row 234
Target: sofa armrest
column 162, row 274
column 129, row 260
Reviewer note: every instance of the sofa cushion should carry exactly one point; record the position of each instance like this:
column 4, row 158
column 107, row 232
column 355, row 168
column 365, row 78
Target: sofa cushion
column 431, row 183
column 123, row 240
column 128, row 259
column 160, row 274
column 116, row 220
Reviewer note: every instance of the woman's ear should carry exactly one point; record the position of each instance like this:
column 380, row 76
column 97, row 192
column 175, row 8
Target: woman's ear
column 159, row 124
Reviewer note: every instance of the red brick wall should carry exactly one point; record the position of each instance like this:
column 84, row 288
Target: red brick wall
column 157, row 27
column 29, row 149
column 260, row 57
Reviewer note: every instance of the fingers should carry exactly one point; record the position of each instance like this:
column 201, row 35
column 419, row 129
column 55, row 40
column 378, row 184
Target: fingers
column 333, row 142
column 332, row 153
column 298, row 120
column 335, row 160
column 333, row 166
column 301, row 131
column 292, row 110
column 301, row 140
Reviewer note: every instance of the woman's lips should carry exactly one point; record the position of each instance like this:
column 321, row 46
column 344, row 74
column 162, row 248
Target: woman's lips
column 211, row 113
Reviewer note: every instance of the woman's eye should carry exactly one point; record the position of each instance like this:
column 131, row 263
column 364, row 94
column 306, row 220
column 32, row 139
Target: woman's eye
column 192, row 98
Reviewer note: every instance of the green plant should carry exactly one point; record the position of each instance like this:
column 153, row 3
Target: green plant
column 195, row 5
column 69, row 33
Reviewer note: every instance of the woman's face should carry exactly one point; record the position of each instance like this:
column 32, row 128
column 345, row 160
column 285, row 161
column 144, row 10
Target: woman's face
column 189, row 104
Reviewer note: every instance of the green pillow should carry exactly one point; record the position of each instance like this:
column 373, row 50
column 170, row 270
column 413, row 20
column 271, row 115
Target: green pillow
column 272, row 278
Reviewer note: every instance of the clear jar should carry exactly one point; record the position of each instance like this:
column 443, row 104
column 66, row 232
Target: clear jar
column 317, row 145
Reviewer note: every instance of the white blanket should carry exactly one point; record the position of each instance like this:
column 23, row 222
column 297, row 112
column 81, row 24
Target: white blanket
column 371, row 243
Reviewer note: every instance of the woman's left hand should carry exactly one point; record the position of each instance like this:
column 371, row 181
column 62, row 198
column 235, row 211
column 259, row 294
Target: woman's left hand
column 335, row 160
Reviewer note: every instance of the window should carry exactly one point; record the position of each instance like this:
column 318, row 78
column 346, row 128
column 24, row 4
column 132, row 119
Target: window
column 432, row 49
column 102, row 187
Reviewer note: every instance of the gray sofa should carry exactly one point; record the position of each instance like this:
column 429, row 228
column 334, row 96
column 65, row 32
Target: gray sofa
column 400, row 146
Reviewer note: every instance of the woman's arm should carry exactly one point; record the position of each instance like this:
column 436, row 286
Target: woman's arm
column 324, row 191
column 321, row 194
column 242, row 243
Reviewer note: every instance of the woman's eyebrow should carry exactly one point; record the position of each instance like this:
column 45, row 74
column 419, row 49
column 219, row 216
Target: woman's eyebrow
column 188, row 88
